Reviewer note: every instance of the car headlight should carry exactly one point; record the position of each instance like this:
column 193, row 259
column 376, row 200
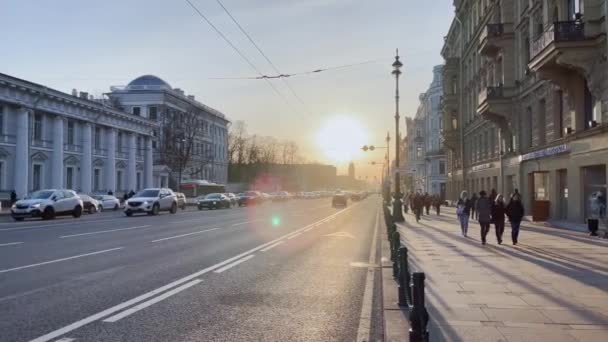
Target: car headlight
column 145, row 203
column 214, row 202
column 14, row 206
column 37, row 205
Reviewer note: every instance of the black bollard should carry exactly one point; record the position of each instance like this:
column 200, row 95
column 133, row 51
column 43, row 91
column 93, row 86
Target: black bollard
column 395, row 249
column 419, row 317
column 403, row 270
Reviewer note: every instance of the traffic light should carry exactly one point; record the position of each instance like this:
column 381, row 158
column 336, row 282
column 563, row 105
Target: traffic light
column 365, row 148
column 371, row 148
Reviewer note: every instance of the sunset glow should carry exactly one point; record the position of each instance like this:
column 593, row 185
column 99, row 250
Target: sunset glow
column 340, row 139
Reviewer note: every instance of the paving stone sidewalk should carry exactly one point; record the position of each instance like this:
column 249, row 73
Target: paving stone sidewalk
column 552, row 286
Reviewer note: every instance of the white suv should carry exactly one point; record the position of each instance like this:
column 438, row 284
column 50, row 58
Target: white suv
column 48, row 204
column 152, row 201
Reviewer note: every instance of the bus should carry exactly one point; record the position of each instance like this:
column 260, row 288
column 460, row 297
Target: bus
column 199, row 187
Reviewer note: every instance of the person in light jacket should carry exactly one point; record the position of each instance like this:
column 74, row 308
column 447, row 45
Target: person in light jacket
column 463, row 210
column 484, row 214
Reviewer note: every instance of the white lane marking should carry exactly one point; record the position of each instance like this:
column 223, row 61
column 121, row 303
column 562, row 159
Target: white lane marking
column 242, row 223
column 309, row 228
column 71, row 327
column 67, row 223
column 182, row 235
column 229, row 266
column 66, row 339
column 271, row 246
column 365, row 320
column 152, row 301
column 294, row 236
column 10, row 244
column 102, row 231
column 59, row 260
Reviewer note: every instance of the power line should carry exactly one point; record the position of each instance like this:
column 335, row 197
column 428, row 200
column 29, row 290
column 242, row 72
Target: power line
column 293, row 92
column 238, row 52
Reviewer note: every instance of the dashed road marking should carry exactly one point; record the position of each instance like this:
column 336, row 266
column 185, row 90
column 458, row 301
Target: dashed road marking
column 272, row 246
column 229, row 266
column 182, row 235
column 102, row 231
column 10, row 244
column 59, row 260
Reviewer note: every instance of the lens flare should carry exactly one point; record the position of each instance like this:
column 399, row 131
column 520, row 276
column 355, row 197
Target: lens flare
column 276, row 221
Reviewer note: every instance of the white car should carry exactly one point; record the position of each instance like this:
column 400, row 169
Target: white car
column 47, row 204
column 152, row 201
column 108, row 202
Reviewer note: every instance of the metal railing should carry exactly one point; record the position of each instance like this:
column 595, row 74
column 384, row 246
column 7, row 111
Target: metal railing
column 560, row 31
column 122, row 155
column 411, row 285
column 8, row 138
column 42, row 143
column 72, row 147
column 100, row 152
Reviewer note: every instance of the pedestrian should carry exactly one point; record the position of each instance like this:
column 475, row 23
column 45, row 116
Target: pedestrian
column 418, row 205
column 125, row 197
column 474, row 207
column 428, row 201
column 484, row 214
column 110, row 193
column 515, row 213
column 131, row 193
column 437, row 204
column 463, row 211
column 493, row 195
column 13, row 197
column 498, row 217
column 412, row 197
column 406, row 199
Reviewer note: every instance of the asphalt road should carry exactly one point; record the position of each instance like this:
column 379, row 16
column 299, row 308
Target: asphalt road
column 295, row 271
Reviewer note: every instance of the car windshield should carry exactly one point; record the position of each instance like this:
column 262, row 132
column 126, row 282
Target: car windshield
column 147, row 193
column 213, row 196
column 43, row 194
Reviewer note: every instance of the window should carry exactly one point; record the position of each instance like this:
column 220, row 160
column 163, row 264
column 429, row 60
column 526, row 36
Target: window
column 37, row 177
column 119, row 180
column 97, row 179
column 1, row 120
column 138, row 178
column 68, row 194
column 70, row 133
column 37, row 126
column 119, row 142
column 97, row 137
column 136, row 111
column 441, row 167
column 542, row 105
column 1, row 174
column 69, row 177
column 588, row 107
column 153, row 113
column 526, row 54
column 530, row 131
column 558, row 125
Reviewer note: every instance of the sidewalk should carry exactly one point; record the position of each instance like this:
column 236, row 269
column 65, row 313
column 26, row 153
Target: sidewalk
column 553, row 286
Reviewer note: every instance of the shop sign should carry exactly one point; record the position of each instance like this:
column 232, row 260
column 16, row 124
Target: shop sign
column 547, row 152
column 481, row 167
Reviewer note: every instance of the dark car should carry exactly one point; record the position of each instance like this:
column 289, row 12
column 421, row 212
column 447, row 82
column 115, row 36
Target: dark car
column 234, row 201
column 181, row 200
column 250, row 198
column 213, row 201
column 339, row 200
column 356, row 196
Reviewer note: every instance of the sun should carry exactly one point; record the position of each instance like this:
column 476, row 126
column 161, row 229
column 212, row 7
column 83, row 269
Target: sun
column 341, row 138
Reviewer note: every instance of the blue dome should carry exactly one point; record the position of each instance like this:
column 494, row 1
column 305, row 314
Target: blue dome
column 147, row 81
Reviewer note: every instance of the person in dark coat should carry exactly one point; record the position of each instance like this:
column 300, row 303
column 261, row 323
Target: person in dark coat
column 13, row 197
column 428, row 201
column 498, row 217
column 474, row 202
column 131, row 193
column 418, row 205
column 437, row 204
column 515, row 212
column 484, row 214
column 463, row 211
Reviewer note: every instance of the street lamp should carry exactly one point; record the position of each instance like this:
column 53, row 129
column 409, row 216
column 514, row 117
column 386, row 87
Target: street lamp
column 397, row 205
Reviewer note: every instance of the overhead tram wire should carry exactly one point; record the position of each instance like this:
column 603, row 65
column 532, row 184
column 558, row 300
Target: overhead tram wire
column 316, row 71
column 240, row 53
column 293, row 92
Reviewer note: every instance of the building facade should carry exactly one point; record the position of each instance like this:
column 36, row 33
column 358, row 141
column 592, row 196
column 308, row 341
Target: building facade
column 526, row 102
column 50, row 139
column 427, row 159
column 203, row 135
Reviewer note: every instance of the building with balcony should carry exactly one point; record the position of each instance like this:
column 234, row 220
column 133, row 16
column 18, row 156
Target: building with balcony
column 50, row 139
column 426, row 155
column 186, row 127
column 532, row 102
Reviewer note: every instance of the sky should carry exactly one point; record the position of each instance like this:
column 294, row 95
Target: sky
column 92, row 45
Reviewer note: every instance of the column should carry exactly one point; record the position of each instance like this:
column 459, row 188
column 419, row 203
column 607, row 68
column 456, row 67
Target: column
column 148, row 164
column 110, row 169
column 57, row 162
column 87, row 159
column 22, row 153
column 131, row 163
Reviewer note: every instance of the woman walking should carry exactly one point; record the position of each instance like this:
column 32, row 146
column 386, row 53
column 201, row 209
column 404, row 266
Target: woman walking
column 463, row 210
column 515, row 212
column 484, row 214
column 498, row 216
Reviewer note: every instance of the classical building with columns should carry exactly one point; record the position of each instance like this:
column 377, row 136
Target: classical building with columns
column 50, row 139
column 151, row 98
column 526, row 102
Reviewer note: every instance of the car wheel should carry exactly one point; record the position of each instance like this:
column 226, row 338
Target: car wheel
column 128, row 213
column 48, row 214
column 18, row 218
column 173, row 209
column 100, row 207
column 155, row 209
column 77, row 211
column 92, row 209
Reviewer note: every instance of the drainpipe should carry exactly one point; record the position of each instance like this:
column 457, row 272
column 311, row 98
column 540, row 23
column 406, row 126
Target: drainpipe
column 460, row 100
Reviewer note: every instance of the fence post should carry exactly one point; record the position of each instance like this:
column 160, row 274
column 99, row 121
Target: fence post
column 403, row 270
column 419, row 317
column 395, row 250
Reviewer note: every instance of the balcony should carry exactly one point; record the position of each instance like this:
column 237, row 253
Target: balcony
column 122, row 155
column 42, row 143
column 72, row 148
column 494, row 38
column 8, row 139
column 496, row 104
column 449, row 102
column 102, row 152
column 451, row 139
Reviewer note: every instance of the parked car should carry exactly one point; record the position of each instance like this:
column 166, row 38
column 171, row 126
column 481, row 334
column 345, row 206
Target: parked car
column 90, row 204
column 152, row 201
column 47, row 204
column 339, row 200
column 107, row 202
column 250, row 198
column 181, row 200
column 234, row 201
column 213, row 201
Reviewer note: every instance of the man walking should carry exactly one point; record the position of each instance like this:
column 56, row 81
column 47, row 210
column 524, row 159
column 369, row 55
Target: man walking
column 484, row 214
column 515, row 212
column 498, row 217
column 463, row 210
column 427, row 202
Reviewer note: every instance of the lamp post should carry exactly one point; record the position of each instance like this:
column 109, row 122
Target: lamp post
column 397, row 205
